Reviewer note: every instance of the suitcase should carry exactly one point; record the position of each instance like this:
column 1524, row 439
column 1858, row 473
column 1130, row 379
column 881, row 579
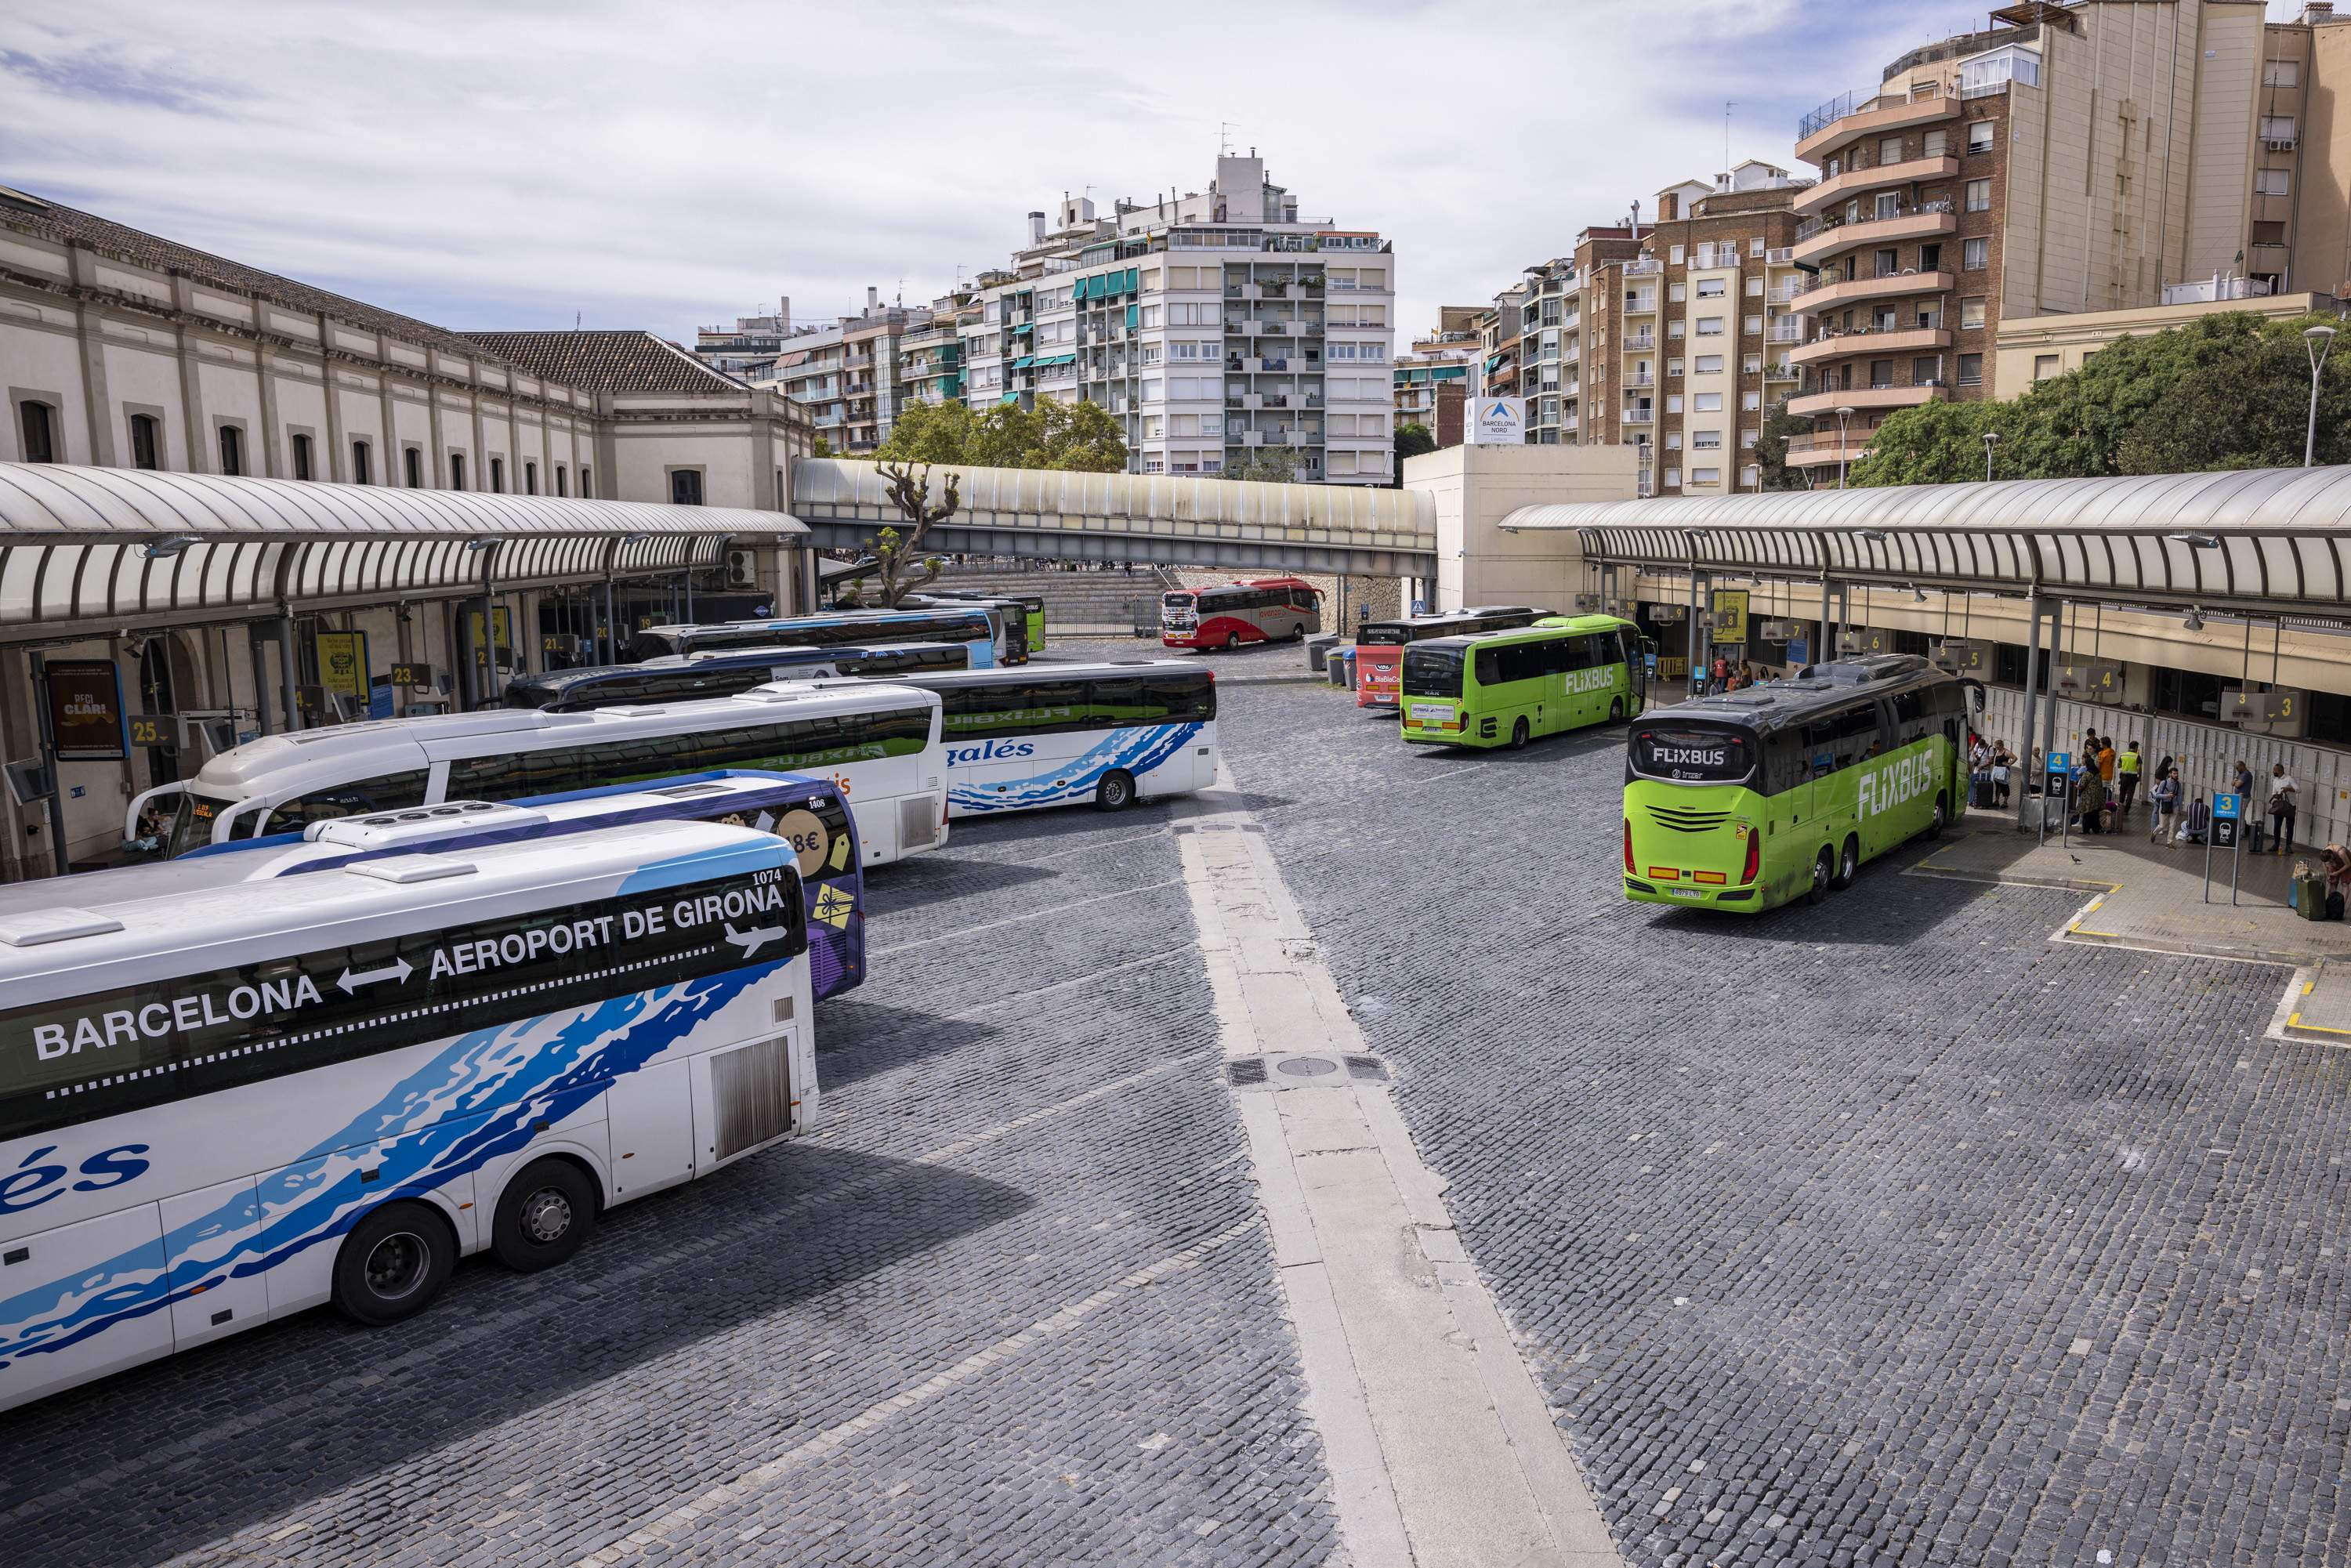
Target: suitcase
column 2253, row 836
column 2310, row 897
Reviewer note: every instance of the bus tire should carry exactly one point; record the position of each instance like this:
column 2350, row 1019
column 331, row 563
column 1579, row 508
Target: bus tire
column 544, row 1215
column 1616, row 710
column 1848, row 865
column 1942, row 815
column 1116, row 790
column 393, row 1264
column 1519, row 736
column 1232, row 641
column 1824, row 872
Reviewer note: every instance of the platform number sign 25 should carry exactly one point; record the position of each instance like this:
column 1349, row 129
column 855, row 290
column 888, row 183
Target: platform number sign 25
column 153, row 729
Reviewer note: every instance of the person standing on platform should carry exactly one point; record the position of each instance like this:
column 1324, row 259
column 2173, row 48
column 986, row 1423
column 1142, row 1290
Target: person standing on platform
column 2282, row 807
column 2127, row 766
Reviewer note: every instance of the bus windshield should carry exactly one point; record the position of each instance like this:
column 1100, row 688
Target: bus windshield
column 192, row 824
column 1431, row 672
column 1691, row 754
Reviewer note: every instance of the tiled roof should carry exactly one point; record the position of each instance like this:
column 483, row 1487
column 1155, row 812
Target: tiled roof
column 607, row 361
column 67, row 225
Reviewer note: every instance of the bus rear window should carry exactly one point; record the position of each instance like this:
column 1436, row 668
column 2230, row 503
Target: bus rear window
column 1383, row 636
column 1431, row 673
column 1691, row 754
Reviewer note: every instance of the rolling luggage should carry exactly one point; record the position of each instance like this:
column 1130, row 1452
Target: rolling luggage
column 2310, row 897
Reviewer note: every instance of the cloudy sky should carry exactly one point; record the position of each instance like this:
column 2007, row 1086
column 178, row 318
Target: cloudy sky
column 520, row 165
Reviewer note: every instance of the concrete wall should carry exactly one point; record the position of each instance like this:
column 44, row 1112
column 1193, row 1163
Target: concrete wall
column 1474, row 487
column 2322, row 170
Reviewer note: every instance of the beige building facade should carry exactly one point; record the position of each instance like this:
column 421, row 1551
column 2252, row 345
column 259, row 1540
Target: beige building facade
column 2036, row 348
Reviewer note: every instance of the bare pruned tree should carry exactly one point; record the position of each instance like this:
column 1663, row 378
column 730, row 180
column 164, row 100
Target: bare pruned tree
column 897, row 555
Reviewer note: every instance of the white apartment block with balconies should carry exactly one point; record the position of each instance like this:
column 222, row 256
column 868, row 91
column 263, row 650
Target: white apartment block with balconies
column 1212, row 325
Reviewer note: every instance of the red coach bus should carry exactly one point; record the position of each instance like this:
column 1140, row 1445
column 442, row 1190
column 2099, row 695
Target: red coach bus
column 1380, row 644
column 1271, row 608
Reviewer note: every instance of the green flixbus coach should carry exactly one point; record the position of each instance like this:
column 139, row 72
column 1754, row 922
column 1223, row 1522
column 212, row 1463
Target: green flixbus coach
column 1751, row 799
column 1505, row 688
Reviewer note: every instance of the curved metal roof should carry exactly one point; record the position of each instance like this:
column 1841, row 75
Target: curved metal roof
column 74, row 545
column 1179, row 507
column 2272, row 539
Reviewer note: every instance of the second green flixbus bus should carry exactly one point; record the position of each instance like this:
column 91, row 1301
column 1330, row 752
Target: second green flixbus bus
column 1753, row 797
column 1505, row 688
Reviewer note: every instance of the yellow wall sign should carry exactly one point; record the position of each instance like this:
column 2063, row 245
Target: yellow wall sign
column 343, row 663
column 1731, row 615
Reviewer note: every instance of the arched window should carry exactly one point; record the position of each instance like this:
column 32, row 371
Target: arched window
column 498, row 476
column 456, row 470
column 562, row 481
column 587, row 483
column 530, row 478
column 146, row 442
column 359, row 464
column 414, row 461
column 301, row 456
column 231, row 448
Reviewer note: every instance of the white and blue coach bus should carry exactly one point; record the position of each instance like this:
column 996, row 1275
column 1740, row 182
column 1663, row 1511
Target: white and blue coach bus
column 681, row 677
column 217, row 1109
column 879, row 744
column 972, row 625
column 1060, row 735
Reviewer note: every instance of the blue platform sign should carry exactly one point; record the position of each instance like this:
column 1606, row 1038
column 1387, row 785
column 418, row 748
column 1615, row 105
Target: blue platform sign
column 2229, row 806
column 2061, row 762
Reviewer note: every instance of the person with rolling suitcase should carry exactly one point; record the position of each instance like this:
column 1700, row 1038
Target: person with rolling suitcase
column 2164, row 799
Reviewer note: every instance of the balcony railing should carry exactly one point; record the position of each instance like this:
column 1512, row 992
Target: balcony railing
column 1811, row 226
column 1641, row 379
column 1638, row 342
column 1784, row 331
column 1644, row 267
column 1640, row 416
column 1782, row 372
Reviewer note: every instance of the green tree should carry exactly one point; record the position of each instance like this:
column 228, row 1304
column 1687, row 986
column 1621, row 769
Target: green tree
column 1936, row 443
column 1412, row 439
column 1771, row 449
column 1265, row 465
column 2226, row 391
column 1077, row 437
column 1072, row 436
column 822, row 448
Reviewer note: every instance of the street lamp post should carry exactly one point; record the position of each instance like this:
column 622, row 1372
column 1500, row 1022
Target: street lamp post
column 2316, row 341
column 1843, row 456
column 1992, row 439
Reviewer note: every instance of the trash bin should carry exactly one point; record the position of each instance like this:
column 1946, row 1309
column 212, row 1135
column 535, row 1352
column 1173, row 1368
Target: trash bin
column 1318, row 650
column 1346, row 658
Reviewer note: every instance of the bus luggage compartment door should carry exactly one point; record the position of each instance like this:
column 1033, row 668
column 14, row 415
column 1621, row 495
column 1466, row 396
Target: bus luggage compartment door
column 650, row 1115
column 208, row 1233
column 58, row 1273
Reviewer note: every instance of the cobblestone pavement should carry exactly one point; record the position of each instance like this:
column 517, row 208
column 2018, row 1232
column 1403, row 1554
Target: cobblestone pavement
column 1886, row 1231
column 1012, row 1303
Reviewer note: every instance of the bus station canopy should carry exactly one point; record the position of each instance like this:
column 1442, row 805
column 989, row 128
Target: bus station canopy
column 86, row 549
column 2268, row 540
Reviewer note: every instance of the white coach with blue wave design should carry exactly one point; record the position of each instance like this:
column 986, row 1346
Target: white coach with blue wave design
column 1062, row 734
column 221, row 1105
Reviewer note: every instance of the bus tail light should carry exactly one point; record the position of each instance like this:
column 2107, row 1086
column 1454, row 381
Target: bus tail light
column 1628, row 846
column 1711, row 878
column 1754, row 857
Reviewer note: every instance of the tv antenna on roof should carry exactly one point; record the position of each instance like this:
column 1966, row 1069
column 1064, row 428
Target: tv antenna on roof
column 1727, row 104
column 1225, row 129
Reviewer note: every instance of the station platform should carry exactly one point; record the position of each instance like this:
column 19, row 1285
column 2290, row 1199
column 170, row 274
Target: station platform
column 2153, row 895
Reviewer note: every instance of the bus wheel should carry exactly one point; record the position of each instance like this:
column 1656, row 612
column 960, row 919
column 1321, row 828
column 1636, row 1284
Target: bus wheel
column 1824, row 869
column 1519, row 736
column 1616, row 710
column 393, row 1264
column 1942, row 815
column 1232, row 641
column 1848, row 865
column 544, row 1216
column 1116, row 790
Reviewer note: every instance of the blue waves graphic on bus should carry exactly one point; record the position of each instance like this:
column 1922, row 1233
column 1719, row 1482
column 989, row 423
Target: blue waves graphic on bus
column 475, row 1102
column 1137, row 750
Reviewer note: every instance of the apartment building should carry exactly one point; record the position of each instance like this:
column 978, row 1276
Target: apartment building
column 846, row 373
column 930, row 356
column 1440, row 360
column 2093, row 157
column 1213, row 324
column 2301, row 217
column 749, row 349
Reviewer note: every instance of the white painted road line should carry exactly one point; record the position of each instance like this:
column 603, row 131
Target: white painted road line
column 1441, row 1447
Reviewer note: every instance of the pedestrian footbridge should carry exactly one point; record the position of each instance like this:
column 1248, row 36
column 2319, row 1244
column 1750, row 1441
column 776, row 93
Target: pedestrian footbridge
column 1138, row 518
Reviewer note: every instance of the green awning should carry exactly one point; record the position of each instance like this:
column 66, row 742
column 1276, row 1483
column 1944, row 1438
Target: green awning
column 1133, row 280
column 1011, row 397
column 1024, row 361
column 1057, row 360
column 1024, row 327
column 1134, row 317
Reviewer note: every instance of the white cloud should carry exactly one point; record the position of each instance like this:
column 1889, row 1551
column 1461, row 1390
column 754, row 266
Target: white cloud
column 507, row 165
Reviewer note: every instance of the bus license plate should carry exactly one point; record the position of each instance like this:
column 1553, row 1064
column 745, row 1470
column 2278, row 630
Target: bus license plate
column 1431, row 713
column 1686, row 891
